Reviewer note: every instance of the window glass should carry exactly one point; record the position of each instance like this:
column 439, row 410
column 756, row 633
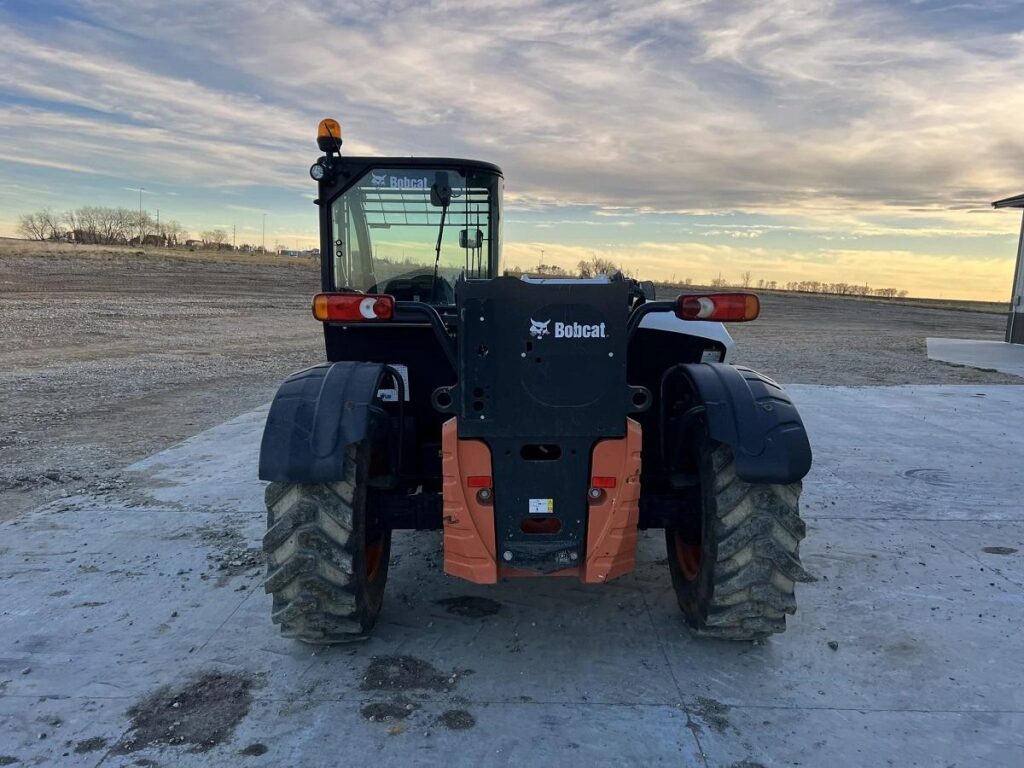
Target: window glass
column 387, row 228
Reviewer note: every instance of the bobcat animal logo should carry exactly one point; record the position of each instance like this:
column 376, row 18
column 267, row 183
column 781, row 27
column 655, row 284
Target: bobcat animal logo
column 379, row 180
column 538, row 330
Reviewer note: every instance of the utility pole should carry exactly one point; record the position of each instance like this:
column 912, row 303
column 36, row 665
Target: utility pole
column 233, row 232
column 141, row 190
column 264, row 245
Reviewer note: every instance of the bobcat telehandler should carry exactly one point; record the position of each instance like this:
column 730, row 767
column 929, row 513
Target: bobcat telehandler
column 538, row 423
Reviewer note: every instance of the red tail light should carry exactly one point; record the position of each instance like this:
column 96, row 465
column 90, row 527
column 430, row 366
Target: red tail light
column 353, row 307
column 479, row 481
column 601, row 481
column 723, row 307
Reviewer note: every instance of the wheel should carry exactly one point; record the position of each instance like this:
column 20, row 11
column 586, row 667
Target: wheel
column 326, row 569
column 734, row 573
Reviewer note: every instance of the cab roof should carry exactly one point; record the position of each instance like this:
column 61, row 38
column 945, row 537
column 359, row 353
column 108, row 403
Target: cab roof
column 420, row 162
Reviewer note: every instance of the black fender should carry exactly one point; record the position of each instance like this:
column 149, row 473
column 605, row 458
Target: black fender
column 755, row 417
column 316, row 415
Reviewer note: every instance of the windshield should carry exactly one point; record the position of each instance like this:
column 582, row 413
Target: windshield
column 386, row 230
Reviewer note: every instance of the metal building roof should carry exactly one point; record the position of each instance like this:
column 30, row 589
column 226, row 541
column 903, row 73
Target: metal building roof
column 1010, row 202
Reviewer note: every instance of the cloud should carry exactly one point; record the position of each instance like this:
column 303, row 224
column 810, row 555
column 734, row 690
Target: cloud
column 761, row 107
column 835, row 121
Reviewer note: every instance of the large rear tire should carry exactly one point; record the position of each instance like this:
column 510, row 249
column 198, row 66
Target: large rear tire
column 326, row 570
column 734, row 574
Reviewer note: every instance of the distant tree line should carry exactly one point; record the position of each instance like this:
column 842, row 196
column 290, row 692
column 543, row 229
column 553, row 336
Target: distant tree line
column 600, row 266
column 810, row 286
column 844, row 289
column 97, row 225
column 594, row 267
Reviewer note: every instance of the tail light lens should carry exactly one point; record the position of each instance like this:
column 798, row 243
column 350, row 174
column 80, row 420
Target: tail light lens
column 353, row 307
column 723, row 307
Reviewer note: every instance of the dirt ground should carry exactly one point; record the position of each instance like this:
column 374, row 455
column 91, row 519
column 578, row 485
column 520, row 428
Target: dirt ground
column 107, row 356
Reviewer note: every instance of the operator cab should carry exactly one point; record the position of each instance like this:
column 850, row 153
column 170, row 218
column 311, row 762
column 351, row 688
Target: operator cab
column 409, row 228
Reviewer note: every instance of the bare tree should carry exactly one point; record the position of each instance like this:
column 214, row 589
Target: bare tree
column 745, row 279
column 40, row 225
column 598, row 266
column 31, row 226
column 215, row 237
column 549, row 270
column 172, row 233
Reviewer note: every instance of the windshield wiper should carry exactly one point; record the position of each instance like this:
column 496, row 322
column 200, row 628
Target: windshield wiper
column 440, row 196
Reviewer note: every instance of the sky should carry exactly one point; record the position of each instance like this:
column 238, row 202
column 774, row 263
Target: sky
column 847, row 141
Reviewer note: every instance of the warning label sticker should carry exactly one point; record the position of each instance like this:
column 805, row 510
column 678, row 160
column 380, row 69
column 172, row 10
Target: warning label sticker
column 542, row 506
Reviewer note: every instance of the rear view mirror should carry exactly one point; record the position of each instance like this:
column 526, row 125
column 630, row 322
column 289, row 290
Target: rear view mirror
column 471, row 238
column 440, row 190
column 647, row 286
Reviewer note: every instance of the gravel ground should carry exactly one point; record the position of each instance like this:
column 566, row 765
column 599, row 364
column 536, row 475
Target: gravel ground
column 106, row 356
column 106, row 359
column 806, row 339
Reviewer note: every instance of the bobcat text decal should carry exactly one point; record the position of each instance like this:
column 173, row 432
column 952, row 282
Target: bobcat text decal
column 384, row 181
column 568, row 330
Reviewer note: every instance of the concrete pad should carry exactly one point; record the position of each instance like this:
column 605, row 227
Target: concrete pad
column 979, row 353
column 915, row 537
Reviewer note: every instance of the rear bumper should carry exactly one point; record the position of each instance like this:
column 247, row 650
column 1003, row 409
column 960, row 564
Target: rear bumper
column 471, row 551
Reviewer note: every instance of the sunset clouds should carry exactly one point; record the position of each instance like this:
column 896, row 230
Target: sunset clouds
column 770, row 135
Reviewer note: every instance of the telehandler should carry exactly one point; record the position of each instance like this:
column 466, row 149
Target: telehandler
column 539, row 423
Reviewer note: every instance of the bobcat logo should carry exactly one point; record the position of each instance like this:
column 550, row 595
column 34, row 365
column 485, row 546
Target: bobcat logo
column 378, row 180
column 539, row 330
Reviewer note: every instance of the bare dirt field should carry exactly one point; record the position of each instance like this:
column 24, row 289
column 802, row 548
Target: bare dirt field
column 106, row 356
column 109, row 355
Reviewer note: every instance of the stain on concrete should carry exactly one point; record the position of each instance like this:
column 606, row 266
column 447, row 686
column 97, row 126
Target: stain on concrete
column 8, row 760
column 385, row 711
column 999, row 550
column 94, row 744
column 404, row 673
column 456, row 720
column 470, row 606
column 254, row 750
column 202, row 713
column 714, row 713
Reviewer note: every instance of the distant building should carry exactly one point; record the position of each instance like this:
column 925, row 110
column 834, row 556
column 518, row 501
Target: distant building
column 1015, row 322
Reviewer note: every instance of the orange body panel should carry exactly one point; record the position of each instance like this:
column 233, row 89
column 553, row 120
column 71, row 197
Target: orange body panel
column 469, row 533
column 469, row 551
column 612, row 521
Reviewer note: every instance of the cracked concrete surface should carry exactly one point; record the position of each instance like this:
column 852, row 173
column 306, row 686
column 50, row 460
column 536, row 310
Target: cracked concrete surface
column 905, row 651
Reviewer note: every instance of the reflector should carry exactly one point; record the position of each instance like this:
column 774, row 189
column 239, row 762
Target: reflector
column 479, row 481
column 353, row 307
column 723, row 307
column 600, row 481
